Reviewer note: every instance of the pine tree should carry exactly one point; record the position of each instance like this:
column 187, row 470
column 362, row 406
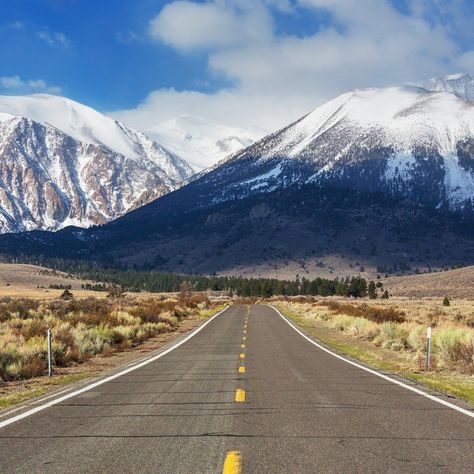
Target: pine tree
column 446, row 301
column 385, row 295
column 372, row 291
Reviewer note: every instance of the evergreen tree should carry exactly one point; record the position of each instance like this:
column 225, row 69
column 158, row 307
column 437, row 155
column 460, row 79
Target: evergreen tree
column 446, row 301
column 372, row 291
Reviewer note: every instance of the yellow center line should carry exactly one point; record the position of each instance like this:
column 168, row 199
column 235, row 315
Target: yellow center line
column 232, row 463
column 242, row 346
column 240, row 395
column 244, row 338
column 242, row 355
column 242, row 369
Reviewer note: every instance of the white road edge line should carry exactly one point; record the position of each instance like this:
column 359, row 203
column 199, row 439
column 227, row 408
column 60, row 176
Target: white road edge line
column 108, row 379
column 374, row 372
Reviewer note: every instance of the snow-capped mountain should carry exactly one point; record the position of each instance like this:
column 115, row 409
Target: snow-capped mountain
column 461, row 85
column 203, row 143
column 406, row 141
column 62, row 163
column 366, row 180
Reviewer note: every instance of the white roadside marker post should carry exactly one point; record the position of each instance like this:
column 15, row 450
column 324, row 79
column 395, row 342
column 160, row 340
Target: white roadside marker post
column 50, row 354
column 428, row 348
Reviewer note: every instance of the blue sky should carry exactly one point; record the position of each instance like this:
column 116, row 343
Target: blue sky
column 107, row 59
column 243, row 62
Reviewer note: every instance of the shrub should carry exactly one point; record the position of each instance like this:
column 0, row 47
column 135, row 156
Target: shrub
column 66, row 295
column 454, row 346
column 81, row 328
column 417, row 338
column 375, row 314
column 341, row 322
column 388, row 331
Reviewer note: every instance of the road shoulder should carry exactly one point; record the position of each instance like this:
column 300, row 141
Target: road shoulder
column 21, row 395
column 378, row 360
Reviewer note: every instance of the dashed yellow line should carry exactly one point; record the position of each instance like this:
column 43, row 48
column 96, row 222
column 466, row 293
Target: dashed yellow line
column 240, row 395
column 242, row 369
column 232, row 463
column 242, row 355
column 242, row 346
column 244, row 338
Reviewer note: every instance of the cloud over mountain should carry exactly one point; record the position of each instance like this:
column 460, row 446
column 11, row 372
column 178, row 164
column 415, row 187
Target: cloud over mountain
column 269, row 74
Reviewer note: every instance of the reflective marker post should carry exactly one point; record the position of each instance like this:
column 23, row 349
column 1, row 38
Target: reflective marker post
column 428, row 348
column 50, row 354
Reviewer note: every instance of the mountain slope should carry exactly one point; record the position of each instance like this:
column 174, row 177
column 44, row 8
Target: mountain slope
column 402, row 141
column 461, row 85
column 201, row 142
column 377, row 180
column 62, row 163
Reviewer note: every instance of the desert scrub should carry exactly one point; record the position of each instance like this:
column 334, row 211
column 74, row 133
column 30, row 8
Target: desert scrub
column 81, row 329
column 454, row 347
column 452, row 343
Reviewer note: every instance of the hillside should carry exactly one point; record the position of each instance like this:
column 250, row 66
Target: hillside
column 458, row 283
column 62, row 163
column 35, row 281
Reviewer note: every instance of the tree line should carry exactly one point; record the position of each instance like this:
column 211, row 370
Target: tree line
column 157, row 282
column 170, row 282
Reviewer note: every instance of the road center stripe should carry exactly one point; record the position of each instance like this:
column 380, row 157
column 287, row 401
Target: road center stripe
column 240, row 395
column 232, row 463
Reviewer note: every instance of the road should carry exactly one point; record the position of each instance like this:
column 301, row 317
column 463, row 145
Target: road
column 295, row 409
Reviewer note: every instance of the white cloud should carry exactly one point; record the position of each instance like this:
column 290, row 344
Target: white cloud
column 18, row 85
column 54, row 38
column 279, row 77
column 189, row 26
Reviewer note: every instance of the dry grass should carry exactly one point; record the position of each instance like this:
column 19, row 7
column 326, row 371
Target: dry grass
column 452, row 283
column 82, row 328
column 400, row 325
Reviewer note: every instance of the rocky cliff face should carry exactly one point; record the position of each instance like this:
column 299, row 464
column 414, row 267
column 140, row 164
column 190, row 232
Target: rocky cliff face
column 50, row 179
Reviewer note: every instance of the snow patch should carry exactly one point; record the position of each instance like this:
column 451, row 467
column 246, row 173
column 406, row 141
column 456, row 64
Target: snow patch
column 263, row 179
column 400, row 166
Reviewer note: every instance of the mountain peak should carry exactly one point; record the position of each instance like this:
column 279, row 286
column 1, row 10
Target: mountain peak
column 461, row 85
column 64, row 163
column 203, row 142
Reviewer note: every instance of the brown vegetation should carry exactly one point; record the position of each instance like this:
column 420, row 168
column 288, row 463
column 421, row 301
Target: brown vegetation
column 400, row 325
column 81, row 328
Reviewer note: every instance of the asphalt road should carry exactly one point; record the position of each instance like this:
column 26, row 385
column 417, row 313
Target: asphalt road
column 300, row 410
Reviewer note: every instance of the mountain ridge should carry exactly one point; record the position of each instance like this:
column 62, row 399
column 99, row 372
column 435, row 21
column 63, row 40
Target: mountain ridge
column 361, row 184
column 56, row 172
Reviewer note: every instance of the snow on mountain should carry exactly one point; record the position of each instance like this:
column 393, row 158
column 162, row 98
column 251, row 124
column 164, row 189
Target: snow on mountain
column 461, row 85
column 62, row 163
column 203, row 143
column 403, row 141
